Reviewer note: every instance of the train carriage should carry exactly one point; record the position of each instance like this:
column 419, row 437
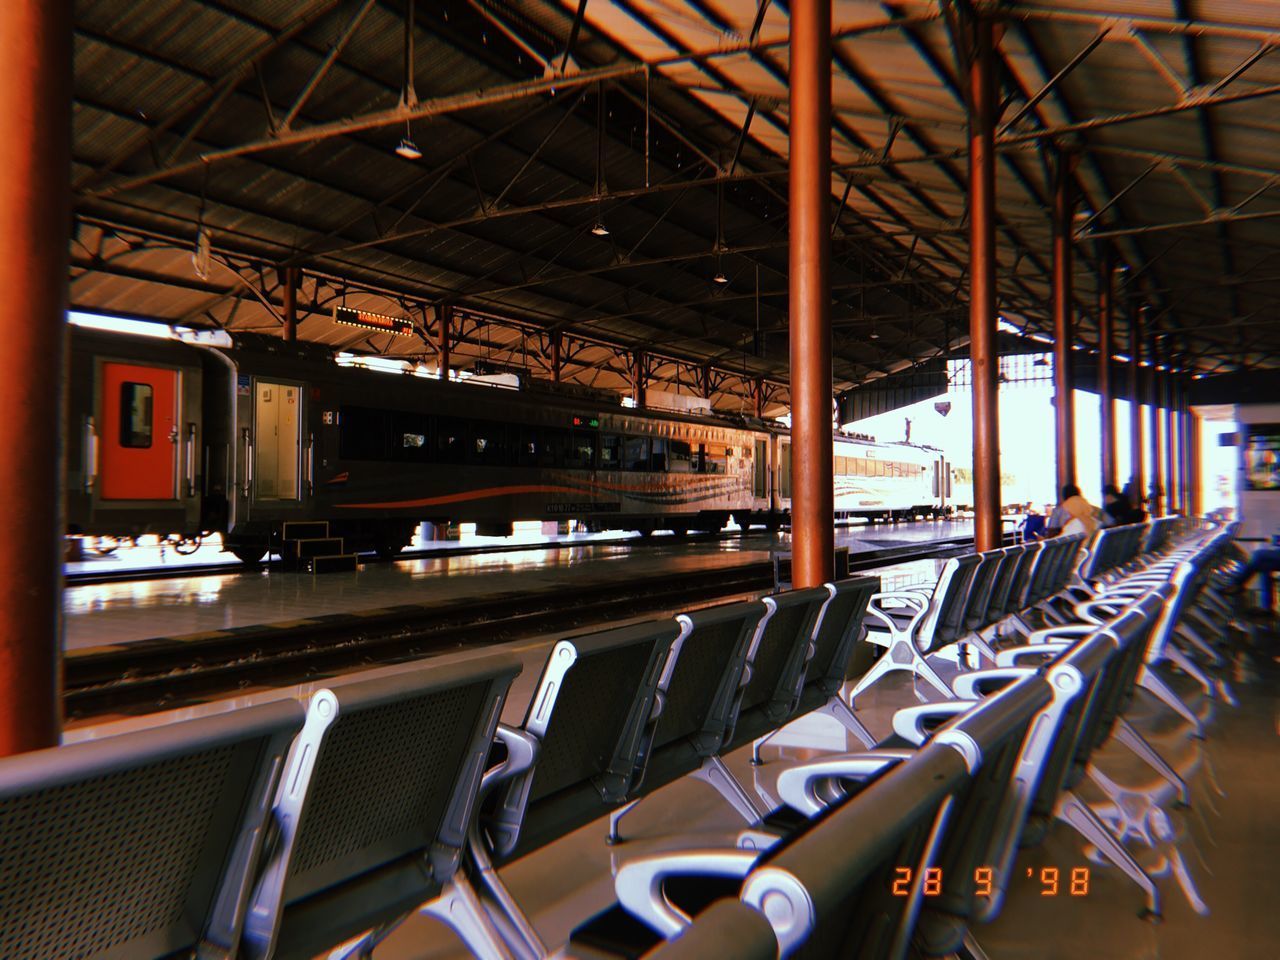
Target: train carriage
column 177, row 438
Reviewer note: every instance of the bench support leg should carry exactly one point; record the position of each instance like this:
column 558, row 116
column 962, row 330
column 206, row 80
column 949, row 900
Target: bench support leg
column 714, row 773
column 459, row 908
column 1076, row 813
column 1131, row 738
column 1154, row 685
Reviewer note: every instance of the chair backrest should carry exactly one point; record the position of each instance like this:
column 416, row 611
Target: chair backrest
column 1066, row 558
column 378, row 796
column 835, row 638
column 945, row 620
column 1015, row 594
column 778, row 654
column 142, row 844
column 701, row 683
column 980, row 587
column 1012, row 559
column 830, row 889
column 593, row 714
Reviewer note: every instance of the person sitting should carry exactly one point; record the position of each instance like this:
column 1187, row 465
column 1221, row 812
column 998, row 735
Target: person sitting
column 1073, row 514
column 1033, row 525
column 1117, row 509
column 1265, row 561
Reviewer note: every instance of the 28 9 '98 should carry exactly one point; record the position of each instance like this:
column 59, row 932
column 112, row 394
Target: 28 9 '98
column 1052, row 883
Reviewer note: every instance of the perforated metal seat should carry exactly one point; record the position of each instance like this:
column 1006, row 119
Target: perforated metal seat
column 375, row 808
column 138, row 845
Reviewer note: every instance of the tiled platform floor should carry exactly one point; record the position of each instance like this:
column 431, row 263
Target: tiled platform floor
column 122, row 612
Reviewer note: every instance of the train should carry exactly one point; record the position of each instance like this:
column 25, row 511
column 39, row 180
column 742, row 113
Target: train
column 254, row 437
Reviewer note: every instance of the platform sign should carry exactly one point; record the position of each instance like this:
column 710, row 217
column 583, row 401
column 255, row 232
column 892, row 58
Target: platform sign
column 372, row 321
column 243, row 386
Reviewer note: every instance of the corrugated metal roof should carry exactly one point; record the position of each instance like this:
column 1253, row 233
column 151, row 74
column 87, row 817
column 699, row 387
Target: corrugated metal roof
column 496, row 218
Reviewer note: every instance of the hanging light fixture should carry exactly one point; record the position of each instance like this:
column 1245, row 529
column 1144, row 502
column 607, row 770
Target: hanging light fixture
column 600, row 230
column 407, row 148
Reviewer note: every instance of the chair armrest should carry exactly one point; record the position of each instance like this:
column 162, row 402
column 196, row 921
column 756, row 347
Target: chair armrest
column 1010, row 657
column 910, row 598
column 1069, row 630
column 966, row 684
column 639, row 883
column 811, row 787
column 908, row 722
column 502, row 825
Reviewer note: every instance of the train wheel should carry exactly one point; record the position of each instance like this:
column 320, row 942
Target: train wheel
column 185, row 546
column 250, row 553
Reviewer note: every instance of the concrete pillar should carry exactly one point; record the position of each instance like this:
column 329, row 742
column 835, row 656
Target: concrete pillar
column 35, row 157
column 812, row 503
column 984, row 349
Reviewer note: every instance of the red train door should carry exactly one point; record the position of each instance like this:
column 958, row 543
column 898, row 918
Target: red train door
column 139, row 432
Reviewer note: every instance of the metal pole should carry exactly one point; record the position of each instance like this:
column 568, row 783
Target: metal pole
column 1137, row 475
column 555, row 356
column 1173, row 483
column 1187, row 421
column 812, row 503
column 984, row 349
column 1153, row 400
column 1063, row 333
column 638, row 361
column 446, row 322
column 35, row 155
column 1106, row 347
column 290, row 304
column 1197, row 501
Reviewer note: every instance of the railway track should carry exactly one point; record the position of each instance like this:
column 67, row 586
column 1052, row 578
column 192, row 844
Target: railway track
column 164, row 673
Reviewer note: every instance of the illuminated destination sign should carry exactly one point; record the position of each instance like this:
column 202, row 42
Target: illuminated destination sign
column 372, row 321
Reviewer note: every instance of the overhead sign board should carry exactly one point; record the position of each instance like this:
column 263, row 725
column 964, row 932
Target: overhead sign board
column 372, row 321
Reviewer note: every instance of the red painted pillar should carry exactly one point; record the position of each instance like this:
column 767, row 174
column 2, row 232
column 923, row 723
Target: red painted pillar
column 1173, row 482
column 1106, row 388
column 640, row 373
column 984, row 350
column 1137, row 475
column 35, row 157
column 812, row 503
column 1063, row 325
column 556, row 339
column 1153, row 401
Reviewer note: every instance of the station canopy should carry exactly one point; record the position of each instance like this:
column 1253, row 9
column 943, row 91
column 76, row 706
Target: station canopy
column 606, row 180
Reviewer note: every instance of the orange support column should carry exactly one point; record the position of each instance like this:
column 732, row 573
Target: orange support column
column 1064, row 409
column 1136, row 473
column 1106, row 388
column 983, row 347
column 35, row 157
column 812, row 503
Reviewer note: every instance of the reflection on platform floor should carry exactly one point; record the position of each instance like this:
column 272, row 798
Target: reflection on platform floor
column 99, row 614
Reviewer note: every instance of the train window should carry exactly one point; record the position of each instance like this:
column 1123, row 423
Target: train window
column 760, row 478
column 681, row 457
column 410, row 437
column 524, row 446
column 784, row 472
column 635, row 453
column 714, row 458
column 659, row 461
column 556, row 450
column 581, row 451
column 364, row 434
column 135, row 415
column 488, row 443
column 451, row 440
column 610, row 452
